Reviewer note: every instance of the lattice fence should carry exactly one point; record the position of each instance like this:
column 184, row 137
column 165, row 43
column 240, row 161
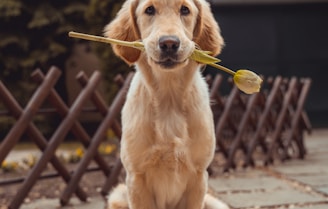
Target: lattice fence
column 273, row 121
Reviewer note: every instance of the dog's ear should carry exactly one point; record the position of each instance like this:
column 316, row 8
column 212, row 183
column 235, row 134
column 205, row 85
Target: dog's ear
column 207, row 34
column 124, row 27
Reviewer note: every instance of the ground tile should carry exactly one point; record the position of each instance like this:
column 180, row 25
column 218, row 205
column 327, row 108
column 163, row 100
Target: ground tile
column 246, row 182
column 323, row 189
column 96, row 202
column 268, row 198
column 315, row 180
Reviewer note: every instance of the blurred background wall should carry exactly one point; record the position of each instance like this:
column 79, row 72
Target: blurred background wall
column 279, row 37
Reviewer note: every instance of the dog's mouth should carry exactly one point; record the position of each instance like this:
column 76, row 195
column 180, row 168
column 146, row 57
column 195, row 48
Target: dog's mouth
column 168, row 52
column 169, row 63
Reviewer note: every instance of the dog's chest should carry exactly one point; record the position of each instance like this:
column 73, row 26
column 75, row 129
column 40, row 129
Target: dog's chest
column 171, row 155
column 166, row 132
column 168, row 172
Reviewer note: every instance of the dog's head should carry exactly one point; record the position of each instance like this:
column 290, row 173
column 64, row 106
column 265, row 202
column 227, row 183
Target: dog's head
column 169, row 30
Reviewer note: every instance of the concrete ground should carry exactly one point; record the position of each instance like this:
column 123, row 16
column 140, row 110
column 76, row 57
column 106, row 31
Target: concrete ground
column 295, row 184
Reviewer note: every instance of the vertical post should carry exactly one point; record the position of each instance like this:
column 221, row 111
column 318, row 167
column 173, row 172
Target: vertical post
column 280, row 120
column 30, row 110
column 262, row 121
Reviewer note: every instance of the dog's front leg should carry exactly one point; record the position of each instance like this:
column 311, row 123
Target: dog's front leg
column 196, row 191
column 139, row 195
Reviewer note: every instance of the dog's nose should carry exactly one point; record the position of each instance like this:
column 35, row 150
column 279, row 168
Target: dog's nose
column 169, row 44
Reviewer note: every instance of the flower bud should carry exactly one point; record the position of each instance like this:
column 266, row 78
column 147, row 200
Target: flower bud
column 247, row 81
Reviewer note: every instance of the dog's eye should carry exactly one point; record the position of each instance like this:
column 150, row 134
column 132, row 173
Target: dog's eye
column 184, row 10
column 150, row 10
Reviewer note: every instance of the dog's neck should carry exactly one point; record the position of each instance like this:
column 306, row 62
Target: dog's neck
column 168, row 93
column 168, row 84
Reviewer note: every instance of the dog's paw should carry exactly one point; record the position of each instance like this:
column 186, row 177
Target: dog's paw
column 117, row 199
column 214, row 203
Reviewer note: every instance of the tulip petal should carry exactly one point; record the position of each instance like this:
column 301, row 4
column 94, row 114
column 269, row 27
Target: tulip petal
column 247, row 81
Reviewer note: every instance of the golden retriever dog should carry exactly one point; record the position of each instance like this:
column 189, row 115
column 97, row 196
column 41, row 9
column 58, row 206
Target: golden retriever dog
column 168, row 132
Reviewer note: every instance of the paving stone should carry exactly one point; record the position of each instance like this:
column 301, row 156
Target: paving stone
column 316, row 140
column 97, row 203
column 20, row 155
column 314, row 180
column 302, row 167
column 323, row 189
column 248, row 182
column 317, row 155
column 269, row 198
column 310, row 207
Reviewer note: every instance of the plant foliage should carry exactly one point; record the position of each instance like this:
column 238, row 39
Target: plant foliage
column 34, row 35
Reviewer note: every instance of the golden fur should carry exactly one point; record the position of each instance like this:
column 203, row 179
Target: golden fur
column 168, row 135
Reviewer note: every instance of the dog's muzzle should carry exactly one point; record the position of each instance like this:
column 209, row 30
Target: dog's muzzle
column 169, row 46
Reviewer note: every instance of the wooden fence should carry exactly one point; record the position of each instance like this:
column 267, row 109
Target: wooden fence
column 273, row 121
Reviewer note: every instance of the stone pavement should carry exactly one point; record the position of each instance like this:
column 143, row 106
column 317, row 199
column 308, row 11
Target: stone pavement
column 295, row 184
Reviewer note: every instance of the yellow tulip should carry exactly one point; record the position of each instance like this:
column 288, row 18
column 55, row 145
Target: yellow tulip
column 247, row 81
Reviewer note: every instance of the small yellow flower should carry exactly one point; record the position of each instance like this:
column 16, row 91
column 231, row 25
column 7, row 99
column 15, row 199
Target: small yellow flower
column 4, row 164
column 75, row 156
column 106, row 149
column 30, row 160
column 110, row 148
column 247, row 81
column 79, row 152
column 9, row 166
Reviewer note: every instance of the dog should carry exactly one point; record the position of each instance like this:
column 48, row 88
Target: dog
column 168, row 136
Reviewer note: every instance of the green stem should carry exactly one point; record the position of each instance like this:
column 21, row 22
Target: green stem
column 102, row 39
column 220, row 67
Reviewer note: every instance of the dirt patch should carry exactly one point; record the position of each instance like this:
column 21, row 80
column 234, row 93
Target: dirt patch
column 51, row 185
